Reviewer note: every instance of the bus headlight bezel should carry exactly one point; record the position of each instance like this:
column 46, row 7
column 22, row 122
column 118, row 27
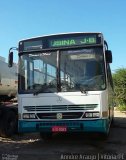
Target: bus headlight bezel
column 29, row 116
column 92, row 115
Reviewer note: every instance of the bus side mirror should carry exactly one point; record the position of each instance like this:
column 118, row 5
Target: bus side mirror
column 108, row 55
column 10, row 59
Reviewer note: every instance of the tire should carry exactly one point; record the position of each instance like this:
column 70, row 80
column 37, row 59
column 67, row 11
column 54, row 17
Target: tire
column 104, row 136
column 46, row 136
column 8, row 124
column 112, row 122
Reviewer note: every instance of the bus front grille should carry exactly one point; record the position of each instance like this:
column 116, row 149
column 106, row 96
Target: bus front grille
column 65, row 115
column 60, row 108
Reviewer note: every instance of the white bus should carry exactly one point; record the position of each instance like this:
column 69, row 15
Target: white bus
column 65, row 84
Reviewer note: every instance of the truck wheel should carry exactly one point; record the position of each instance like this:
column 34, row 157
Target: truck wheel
column 8, row 124
column 46, row 136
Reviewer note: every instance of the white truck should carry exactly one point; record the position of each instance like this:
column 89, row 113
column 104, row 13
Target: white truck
column 8, row 91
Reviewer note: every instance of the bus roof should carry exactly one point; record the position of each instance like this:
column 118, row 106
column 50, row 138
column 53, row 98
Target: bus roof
column 58, row 34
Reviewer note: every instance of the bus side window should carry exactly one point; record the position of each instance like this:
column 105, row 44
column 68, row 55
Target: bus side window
column 109, row 76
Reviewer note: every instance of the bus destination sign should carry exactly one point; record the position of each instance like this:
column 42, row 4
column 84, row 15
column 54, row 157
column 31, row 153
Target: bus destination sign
column 60, row 41
column 76, row 41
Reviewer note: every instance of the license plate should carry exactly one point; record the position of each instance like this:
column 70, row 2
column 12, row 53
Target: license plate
column 59, row 129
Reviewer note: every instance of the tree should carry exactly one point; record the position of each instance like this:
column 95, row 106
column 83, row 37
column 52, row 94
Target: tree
column 119, row 80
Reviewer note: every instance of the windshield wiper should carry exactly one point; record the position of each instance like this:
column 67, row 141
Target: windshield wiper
column 41, row 89
column 84, row 88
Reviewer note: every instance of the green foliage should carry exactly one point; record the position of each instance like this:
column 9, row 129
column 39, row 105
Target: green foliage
column 122, row 107
column 119, row 80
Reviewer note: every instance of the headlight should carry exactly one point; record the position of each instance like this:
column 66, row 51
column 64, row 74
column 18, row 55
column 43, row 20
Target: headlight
column 96, row 114
column 88, row 115
column 32, row 116
column 26, row 116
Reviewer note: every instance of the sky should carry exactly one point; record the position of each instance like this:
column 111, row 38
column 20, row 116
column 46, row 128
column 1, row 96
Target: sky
column 20, row 19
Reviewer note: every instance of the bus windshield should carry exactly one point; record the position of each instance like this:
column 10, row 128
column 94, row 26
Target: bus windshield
column 62, row 71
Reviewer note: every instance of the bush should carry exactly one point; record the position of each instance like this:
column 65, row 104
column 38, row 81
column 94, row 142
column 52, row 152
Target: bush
column 119, row 79
column 122, row 107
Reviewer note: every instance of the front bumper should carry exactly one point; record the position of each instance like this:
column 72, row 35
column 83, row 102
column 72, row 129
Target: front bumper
column 97, row 125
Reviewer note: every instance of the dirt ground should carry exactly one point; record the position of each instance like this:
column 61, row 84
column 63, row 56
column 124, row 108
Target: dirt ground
column 68, row 146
